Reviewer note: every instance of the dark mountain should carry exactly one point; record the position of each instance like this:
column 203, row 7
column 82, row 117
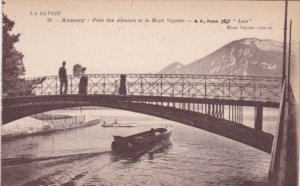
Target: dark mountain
column 248, row 56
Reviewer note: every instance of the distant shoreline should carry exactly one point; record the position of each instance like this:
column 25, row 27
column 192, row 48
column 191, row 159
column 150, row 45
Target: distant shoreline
column 87, row 108
column 47, row 129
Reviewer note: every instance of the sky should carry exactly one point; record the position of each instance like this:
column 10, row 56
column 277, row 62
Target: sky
column 136, row 47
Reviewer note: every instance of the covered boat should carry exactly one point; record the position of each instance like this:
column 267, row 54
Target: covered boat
column 141, row 142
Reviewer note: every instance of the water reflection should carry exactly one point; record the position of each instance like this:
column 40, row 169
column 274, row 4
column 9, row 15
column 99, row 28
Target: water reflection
column 83, row 157
column 134, row 157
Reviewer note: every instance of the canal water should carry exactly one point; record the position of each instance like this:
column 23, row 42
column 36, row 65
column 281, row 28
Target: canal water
column 83, row 156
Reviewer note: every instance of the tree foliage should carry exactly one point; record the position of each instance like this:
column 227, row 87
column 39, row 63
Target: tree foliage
column 13, row 70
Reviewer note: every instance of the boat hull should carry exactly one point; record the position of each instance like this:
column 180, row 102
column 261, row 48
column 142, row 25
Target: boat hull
column 138, row 144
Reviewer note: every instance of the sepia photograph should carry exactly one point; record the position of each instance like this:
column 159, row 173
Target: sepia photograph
column 156, row 93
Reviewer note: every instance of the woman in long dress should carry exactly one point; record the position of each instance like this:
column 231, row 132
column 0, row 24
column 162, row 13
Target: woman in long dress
column 83, row 82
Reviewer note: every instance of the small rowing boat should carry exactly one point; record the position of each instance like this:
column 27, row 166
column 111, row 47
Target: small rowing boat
column 116, row 124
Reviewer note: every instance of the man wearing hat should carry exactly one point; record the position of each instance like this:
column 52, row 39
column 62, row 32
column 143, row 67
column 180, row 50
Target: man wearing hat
column 63, row 78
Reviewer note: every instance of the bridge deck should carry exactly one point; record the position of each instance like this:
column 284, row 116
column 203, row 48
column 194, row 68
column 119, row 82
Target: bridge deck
column 145, row 92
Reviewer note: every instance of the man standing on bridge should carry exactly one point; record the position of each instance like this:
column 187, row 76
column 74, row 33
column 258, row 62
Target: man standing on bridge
column 63, row 77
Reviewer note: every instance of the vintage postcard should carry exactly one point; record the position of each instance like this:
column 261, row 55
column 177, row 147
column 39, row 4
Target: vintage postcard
column 150, row 92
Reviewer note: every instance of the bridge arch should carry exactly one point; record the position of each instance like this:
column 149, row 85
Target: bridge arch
column 17, row 108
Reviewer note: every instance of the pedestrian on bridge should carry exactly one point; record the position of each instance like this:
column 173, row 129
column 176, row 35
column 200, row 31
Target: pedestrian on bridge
column 63, row 78
column 83, row 82
column 122, row 88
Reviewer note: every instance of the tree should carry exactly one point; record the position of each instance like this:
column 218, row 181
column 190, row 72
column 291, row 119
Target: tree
column 12, row 60
column 13, row 70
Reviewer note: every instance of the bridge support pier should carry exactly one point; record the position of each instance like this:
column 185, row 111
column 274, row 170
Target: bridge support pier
column 258, row 118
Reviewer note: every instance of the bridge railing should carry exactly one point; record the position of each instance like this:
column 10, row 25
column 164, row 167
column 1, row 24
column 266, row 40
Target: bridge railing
column 172, row 85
